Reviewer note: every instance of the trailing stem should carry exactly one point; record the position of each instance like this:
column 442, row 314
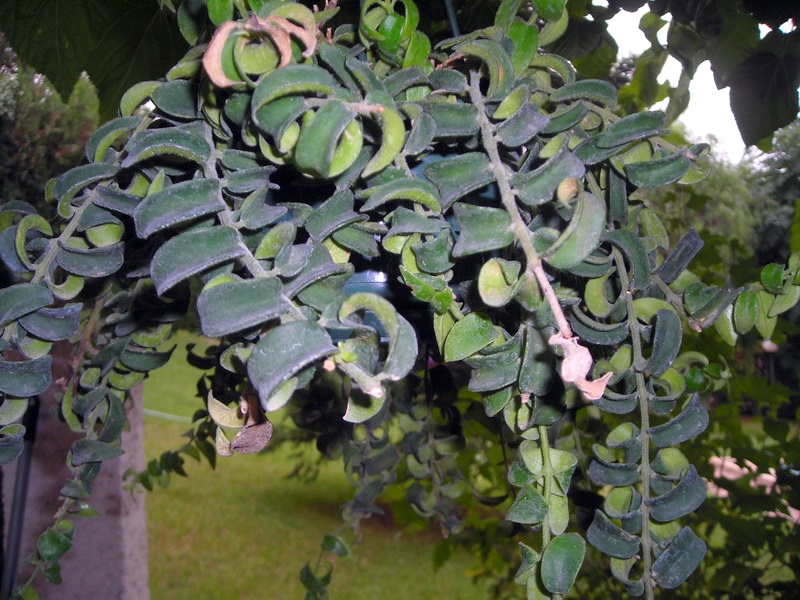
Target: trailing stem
column 644, row 436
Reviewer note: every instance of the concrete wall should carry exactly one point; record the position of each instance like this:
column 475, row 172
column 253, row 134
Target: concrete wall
column 108, row 560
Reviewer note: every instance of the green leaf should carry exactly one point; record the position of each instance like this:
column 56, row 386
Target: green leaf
column 595, row 90
column 681, row 500
column 292, row 80
column 610, row 539
column 186, row 142
column 680, row 257
column 411, row 189
column 86, row 451
column 658, row 172
column 457, row 176
column 498, row 62
column 53, row 324
column 691, row 422
column 561, row 561
column 78, row 178
column 765, row 324
column 92, row 262
column 320, row 149
column 336, row 212
column 582, row 235
column 526, row 44
column 538, row 368
column 453, row 120
column 234, row 306
column 108, row 133
column 482, row 228
column 633, row 127
column 144, row 361
column 522, row 126
column 117, row 44
column 21, row 299
column 549, row 9
column 529, row 507
column 635, row 255
column 539, row 186
column 177, row 204
column 603, row 472
column 12, row 410
column 220, row 11
column 335, row 545
column 54, row 542
column 495, row 367
column 496, row 281
column 666, row 342
column 772, row 278
column 285, row 350
column 12, row 442
column 192, row 252
column 745, row 311
column 27, row 378
column 468, row 336
column 683, row 555
column 177, row 98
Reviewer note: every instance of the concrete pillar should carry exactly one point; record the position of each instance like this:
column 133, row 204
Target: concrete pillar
column 108, row 559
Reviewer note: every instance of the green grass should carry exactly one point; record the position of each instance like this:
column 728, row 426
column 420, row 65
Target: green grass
column 244, row 530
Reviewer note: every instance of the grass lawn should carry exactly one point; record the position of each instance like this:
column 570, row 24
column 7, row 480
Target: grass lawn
column 244, row 530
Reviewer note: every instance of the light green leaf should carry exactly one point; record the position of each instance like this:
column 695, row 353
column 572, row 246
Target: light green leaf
column 561, row 561
column 469, row 335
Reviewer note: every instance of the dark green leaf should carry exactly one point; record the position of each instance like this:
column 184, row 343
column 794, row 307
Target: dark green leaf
column 683, row 499
column 144, row 361
column 177, row 98
column 85, row 451
column 635, row 254
column 496, row 367
column 177, row 204
column 633, row 127
column 235, row 306
column 772, row 278
column 453, row 119
column 412, row 189
column 292, row 80
column 105, row 135
column 659, row 171
column 582, row 235
column 192, row 252
column 77, row 178
column 520, row 128
column 284, row 351
column 666, row 342
column 539, row 186
column 680, row 257
column 468, row 336
column 610, row 539
column 21, row 299
column 92, row 262
column 24, row 379
column 434, row 255
column 482, row 228
column 335, row 213
column 188, row 142
column 54, row 542
column 595, row 90
column 561, row 561
column 528, row 508
column 457, row 176
column 320, row 137
column 53, row 324
column 679, row 560
column 12, row 441
column 692, row 421
column 616, row 474
column 538, row 366
column 334, row 544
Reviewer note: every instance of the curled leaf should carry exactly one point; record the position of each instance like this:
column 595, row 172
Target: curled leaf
column 212, row 59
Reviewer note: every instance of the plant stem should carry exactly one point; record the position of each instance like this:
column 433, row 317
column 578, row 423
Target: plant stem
column 507, row 196
column 644, row 435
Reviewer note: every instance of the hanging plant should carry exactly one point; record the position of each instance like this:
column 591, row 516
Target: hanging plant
column 351, row 214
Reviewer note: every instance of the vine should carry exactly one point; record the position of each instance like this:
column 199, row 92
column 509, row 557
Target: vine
column 277, row 169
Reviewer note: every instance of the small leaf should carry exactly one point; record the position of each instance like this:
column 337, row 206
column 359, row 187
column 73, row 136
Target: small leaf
column 539, row 186
column 177, row 204
column 234, row 306
column 192, row 252
column 284, row 351
column 561, row 561
column 86, row 451
column 457, row 176
column 681, row 500
column 582, row 235
column 666, row 342
column 182, row 141
column 658, row 172
column 595, row 90
column 610, row 539
column 292, row 80
column 92, row 262
column 469, row 335
column 772, row 278
column 453, row 120
column 482, row 228
column 12, row 441
column 24, row 379
column 529, row 507
column 415, row 190
column 692, row 421
column 683, row 555
column 21, row 299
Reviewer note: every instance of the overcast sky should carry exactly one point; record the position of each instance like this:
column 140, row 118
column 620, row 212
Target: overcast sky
column 709, row 110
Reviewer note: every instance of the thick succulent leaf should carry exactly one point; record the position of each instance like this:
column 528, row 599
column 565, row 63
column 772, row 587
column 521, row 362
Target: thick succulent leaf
column 192, row 252
column 529, row 507
column 595, row 90
column 144, row 360
column 520, row 128
column 453, row 120
column 616, row 474
column 538, row 368
column 457, row 176
column 92, row 262
column 177, row 204
column 77, row 178
column 12, row 442
column 610, row 539
column 674, row 565
column 498, row 62
column 582, row 235
column 321, row 138
column 53, row 324
column 108, row 133
column 635, row 255
column 691, row 422
column 659, row 171
column 633, row 127
column 24, row 379
column 239, row 305
column 187, row 142
column 482, row 229
column 539, row 186
column 666, row 342
column 317, row 267
column 683, row 499
column 565, row 118
column 177, row 98
column 561, row 561
column 87, row 451
column 680, row 257
column 292, row 80
column 283, row 351
column 21, row 299
column 468, row 336
column 336, row 212
column 496, row 367
column 411, row 189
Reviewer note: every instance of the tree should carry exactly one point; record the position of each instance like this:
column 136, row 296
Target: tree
column 437, row 257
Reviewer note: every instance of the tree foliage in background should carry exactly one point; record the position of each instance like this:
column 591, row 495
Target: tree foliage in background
column 128, row 41
column 440, row 259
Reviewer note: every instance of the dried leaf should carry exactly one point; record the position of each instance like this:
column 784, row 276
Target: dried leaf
column 576, row 366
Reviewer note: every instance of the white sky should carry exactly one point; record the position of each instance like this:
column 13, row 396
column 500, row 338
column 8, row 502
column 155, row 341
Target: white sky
column 709, row 112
